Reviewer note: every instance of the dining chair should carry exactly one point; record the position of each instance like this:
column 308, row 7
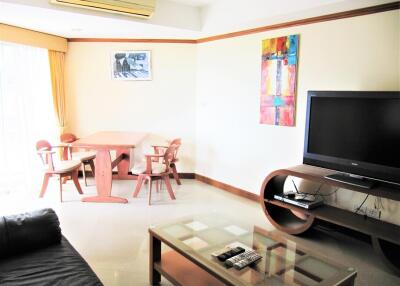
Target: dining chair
column 158, row 149
column 62, row 169
column 71, row 153
column 155, row 171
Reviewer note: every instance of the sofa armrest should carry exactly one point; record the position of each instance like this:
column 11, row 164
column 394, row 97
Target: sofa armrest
column 28, row 231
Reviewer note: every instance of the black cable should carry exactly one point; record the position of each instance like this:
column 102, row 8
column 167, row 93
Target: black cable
column 378, row 203
column 327, row 195
column 319, row 189
column 295, row 187
column 316, row 193
column 362, row 204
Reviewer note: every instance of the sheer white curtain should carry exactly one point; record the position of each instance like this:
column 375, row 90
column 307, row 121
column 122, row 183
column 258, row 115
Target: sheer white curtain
column 26, row 115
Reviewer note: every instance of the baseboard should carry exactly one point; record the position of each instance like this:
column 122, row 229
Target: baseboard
column 181, row 175
column 186, row 175
column 228, row 188
column 209, row 181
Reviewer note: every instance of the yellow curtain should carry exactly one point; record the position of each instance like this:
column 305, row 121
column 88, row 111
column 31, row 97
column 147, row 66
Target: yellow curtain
column 57, row 60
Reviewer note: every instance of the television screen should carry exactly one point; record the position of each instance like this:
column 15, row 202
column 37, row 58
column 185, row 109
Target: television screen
column 355, row 132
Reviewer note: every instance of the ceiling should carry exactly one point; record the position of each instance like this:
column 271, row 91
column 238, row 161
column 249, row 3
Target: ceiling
column 196, row 3
column 176, row 19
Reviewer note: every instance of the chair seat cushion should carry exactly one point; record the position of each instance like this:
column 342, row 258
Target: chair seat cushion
column 64, row 166
column 156, row 168
column 84, row 155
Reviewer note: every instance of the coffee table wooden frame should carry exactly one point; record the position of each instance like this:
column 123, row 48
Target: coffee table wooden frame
column 182, row 269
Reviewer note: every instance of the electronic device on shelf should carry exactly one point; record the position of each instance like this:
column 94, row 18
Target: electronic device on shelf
column 290, row 199
column 356, row 133
column 305, row 197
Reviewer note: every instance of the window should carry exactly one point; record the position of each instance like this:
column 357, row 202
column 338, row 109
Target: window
column 26, row 115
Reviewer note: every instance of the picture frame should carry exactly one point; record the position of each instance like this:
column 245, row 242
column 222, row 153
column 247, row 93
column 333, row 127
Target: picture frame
column 279, row 64
column 131, row 65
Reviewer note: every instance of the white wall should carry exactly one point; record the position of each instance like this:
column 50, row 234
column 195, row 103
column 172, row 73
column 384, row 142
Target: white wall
column 164, row 106
column 360, row 53
column 209, row 95
column 223, row 17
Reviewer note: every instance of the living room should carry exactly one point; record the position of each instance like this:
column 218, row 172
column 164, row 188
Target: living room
column 203, row 82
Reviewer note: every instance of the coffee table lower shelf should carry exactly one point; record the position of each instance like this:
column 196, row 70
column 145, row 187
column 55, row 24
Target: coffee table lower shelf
column 182, row 264
column 181, row 271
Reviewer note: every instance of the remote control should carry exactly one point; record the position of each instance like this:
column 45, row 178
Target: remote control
column 221, row 251
column 230, row 253
column 247, row 261
column 237, row 258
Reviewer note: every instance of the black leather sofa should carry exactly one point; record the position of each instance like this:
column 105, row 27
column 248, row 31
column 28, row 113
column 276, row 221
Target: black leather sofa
column 34, row 252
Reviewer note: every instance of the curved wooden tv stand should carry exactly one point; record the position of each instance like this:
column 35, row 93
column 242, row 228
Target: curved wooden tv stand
column 291, row 219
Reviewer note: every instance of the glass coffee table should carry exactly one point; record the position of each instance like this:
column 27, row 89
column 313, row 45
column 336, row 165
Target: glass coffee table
column 187, row 259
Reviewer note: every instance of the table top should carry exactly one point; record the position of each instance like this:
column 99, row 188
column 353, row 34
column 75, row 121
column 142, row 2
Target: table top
column 110, row 140
column 283, row 261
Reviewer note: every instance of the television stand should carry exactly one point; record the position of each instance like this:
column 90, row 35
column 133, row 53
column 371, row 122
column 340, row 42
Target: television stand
column 353, row 180
column 295, row 220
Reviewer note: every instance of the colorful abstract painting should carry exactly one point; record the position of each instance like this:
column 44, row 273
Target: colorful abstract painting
column 278, row 80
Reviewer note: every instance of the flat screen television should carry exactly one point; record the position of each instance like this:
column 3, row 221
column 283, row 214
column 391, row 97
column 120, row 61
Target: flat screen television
column 356, row 133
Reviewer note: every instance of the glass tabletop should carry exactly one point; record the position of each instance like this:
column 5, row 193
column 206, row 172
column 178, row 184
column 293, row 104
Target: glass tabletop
column 283, row 261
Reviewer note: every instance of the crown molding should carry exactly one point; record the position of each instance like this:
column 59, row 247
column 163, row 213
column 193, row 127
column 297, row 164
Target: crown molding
column 312, row 20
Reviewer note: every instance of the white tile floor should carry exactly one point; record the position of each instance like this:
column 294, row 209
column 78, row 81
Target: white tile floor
column 113, row 238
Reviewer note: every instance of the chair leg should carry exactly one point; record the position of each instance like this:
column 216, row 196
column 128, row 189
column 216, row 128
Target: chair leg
column 169, row 188
column 175, row 174
column 150, row 186
column 74, row 176
column 44, row 185
column 138, row 186
column 61, row 183
column 64, row 179
column 84, row 173
column 92, row 167
column 157, row 186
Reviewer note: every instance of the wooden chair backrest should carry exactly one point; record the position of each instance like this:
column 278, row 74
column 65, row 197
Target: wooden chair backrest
column 169, row 155
column 161, row 150
column 167, row 158
column 44, row 145
column 177, row 142
column 68, row 138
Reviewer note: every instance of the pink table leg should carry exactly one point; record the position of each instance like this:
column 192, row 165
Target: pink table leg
column 104, row 180
column 123, row 166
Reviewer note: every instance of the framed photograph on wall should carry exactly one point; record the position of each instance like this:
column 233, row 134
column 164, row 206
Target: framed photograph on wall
column 131, row 65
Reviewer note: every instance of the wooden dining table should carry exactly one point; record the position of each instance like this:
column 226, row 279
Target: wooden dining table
column 103, row 143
